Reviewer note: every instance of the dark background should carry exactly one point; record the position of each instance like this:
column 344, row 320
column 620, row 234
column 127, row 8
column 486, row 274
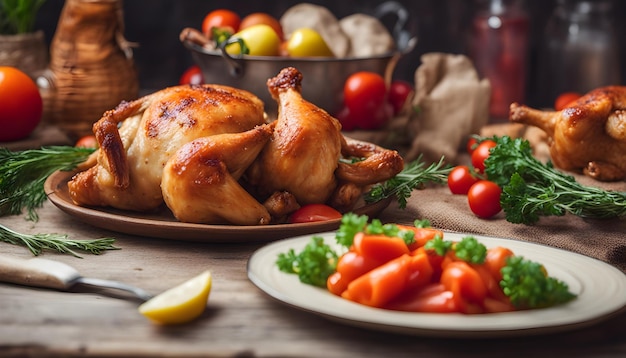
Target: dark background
column 440, row 25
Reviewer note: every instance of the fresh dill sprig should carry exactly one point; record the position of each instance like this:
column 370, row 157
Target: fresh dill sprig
column 23, row 173
column 413, row 176
column 57, row 242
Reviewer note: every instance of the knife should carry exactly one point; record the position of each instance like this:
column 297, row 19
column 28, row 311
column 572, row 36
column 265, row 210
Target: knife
column 38, row 272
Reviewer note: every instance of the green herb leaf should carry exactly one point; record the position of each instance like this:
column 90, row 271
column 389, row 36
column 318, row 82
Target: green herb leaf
column 439, row 245
column 38, row 242
column 313, row 265
column 528, row 285
column 351, row 224
column 23, row 173
column 470, row 250
column 413, row 176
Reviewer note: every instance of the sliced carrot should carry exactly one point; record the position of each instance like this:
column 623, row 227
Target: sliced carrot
column 384, row 283
column 379, row 247
column 422, row 235
column 352, row 265
column 433, row 298
column 460, row 278
column 336, row 283
column 496, row 260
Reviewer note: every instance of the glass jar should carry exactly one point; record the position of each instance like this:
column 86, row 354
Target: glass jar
column 499, row 50
column 580, row 51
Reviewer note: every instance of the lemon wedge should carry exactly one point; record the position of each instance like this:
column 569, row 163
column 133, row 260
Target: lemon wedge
column 179, row 304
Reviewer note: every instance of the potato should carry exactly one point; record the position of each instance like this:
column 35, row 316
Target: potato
column 368, row 36
column 320, row 19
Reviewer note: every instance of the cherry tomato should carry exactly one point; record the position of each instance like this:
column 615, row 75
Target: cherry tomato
column 262, row 18
column 399, row 91
column 481, row 153
column 220, row 18
column 192, row 76
column 21, row 105
column 365, row 96
column 564, row 99
column 472, row 143
column 88, row 141
column 460, row 179
column 314, row 212
column 484, row 198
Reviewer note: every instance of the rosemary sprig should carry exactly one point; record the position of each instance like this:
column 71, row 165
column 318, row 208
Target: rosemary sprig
column 23, row 173
column 413, row 176
column 57, row 242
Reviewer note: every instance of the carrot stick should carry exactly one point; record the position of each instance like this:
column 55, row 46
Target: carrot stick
column 382, row 284
column 379, row 247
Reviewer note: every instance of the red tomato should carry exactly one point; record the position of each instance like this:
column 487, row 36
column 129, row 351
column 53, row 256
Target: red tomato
column 481, row 153
column 220, row 18
column 472, row 143
column 262, row 18
column 564, row 99
column 21, row 105
column 484, row 198
column 364, row 94
column 192, row 76
column 460, row 179
column 398, row 93
column 88, row 141
column 314, row 212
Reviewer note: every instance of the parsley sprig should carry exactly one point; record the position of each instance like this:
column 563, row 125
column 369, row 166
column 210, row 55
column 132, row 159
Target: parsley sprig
column 531, row 189
column 414, row 176
column 313, row 264
column 528, row 285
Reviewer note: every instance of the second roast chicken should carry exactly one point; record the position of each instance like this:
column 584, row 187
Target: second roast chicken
column 589, row 135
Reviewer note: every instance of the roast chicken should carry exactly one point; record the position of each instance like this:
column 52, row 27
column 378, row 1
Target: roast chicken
column 130, row 161
column 589, row 135
column 208, row 153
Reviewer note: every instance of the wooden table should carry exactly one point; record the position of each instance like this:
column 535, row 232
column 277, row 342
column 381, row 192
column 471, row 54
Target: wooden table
column 240, row 320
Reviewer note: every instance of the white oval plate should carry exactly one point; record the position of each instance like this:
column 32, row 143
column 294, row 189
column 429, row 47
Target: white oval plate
column 601, row 290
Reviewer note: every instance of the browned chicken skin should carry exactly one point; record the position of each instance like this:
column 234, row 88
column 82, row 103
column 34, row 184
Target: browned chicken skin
column 589, row 135
column 131, row 159
column 304, row 155
column 201, row 180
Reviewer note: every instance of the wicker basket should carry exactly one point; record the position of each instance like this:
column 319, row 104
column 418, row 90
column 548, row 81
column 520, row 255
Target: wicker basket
column 91, row 66
column 27, row 52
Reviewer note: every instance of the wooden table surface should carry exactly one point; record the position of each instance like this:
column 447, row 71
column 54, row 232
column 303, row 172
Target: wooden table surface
column 240, row 320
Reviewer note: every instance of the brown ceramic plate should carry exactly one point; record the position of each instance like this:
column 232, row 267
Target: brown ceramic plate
column 162, row 224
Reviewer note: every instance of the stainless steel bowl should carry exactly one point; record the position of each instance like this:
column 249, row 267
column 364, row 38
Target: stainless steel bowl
column 323, row 78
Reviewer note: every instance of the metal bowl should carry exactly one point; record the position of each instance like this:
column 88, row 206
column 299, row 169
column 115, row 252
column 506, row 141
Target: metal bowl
column 323, row 78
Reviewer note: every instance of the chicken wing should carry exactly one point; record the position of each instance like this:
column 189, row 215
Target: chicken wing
column 588, row 135
column 131, row 159
column 200, row 181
